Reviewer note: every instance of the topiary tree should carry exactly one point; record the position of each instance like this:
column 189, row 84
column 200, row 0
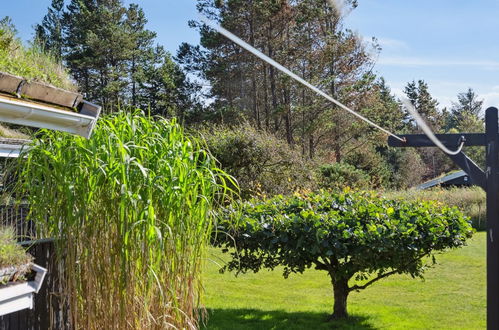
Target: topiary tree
column 350, row 235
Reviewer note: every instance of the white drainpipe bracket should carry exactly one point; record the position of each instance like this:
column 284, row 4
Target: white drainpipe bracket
column 19, row 296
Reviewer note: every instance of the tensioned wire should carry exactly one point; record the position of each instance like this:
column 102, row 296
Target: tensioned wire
column 426, row 129
column 281, row 68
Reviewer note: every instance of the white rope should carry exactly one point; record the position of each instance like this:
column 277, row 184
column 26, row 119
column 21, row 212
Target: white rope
column 427, row 130
column 281, row 68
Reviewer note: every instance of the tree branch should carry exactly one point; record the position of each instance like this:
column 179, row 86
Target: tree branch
column 362, row 287
column 320, row 265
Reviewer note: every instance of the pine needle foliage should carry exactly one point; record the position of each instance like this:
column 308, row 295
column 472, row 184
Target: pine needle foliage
column 131, row 211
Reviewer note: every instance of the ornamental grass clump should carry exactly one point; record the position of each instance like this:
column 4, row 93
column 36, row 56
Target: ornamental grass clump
column 131, row 211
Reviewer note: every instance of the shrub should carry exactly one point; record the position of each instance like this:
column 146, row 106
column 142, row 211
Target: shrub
column 348, row 235
column 131, row 211
column 340, row 175
column 405, row 167
column 470, row 200
column 370, row 161
column 261, row 163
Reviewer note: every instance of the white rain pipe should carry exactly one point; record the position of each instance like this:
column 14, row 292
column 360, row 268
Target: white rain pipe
column 11, row 150
column 26, row 113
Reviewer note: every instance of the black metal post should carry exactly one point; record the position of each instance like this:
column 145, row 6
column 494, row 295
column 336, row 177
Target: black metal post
column 488, row 180
column 492, row 174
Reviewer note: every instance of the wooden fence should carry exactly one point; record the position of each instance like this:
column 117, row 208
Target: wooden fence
column 15, row 216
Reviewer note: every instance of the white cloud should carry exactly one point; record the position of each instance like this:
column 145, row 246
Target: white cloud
column 491, row 99
column 420, row 62
column 393, row 44
column 338, row 5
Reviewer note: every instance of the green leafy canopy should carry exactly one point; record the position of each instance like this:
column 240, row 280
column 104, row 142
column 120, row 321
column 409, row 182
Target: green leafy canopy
column 346, row 234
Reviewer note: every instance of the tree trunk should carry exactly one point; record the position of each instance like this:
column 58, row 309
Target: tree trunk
column 272, row 78
column 134, row 83
column 341, row 291
column 311, row 146
column 256, row 113
column 287, row 116
column 266, row 98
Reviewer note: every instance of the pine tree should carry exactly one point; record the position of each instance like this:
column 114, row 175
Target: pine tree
column 142, row 52
column 468, row 105
column 424, row 103
column 307, row 36
column 435, row 161
column 49, row 34
column 97, row 49
column 113, row 57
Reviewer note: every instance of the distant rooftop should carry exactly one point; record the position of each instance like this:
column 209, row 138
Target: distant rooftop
column 459, row 178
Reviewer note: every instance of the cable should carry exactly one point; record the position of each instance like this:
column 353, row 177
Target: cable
column 281, row 68
column 427, row 130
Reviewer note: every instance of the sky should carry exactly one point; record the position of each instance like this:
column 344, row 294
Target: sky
column 450, row 44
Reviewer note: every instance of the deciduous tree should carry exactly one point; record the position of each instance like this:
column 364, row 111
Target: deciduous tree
column 357, row 238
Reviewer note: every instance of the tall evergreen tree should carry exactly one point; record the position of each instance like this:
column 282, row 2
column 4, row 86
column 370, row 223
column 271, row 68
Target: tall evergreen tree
column 420, row 97
column 310, row 38
column 112, row 55
column 467, row 105
column 418, row 93
column 50, row 32
column 97, row 48
column 142, row 52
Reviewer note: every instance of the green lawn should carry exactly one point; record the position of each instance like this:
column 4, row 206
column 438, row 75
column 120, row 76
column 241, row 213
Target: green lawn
column 451, row 297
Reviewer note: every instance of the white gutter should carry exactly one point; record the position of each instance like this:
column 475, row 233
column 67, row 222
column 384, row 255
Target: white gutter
column 11, row 150
column 21, row 112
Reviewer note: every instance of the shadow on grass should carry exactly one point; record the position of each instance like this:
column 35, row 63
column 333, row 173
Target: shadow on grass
column 225, row 319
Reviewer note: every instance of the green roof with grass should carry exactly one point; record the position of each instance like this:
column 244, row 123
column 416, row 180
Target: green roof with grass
column 30, row 62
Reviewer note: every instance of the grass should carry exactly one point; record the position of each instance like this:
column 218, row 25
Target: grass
column 31, row 63
column 470, row 200
column 451, row 297
column 11, row 253
column 10, row 133
column 131, row 213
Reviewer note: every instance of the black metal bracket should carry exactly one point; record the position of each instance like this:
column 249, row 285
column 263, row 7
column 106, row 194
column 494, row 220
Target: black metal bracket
column 488, row 180
column 451, row 141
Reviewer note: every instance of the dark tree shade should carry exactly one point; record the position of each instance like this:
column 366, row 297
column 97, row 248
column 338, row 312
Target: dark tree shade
column 50, row 32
